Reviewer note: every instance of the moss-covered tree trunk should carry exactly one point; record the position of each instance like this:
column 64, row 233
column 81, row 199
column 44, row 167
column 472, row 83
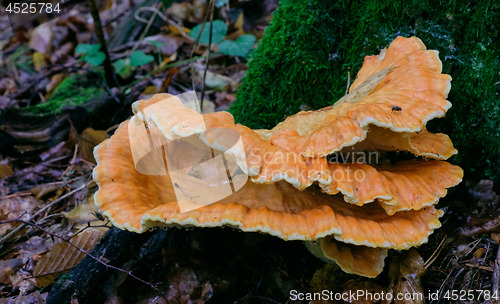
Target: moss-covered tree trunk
column 302, row 62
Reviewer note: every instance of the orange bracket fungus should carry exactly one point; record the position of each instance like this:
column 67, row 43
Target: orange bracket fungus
column 309, row 178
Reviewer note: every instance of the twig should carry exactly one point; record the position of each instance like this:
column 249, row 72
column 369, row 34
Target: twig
column 72, row 161
column 105, row 225
column 195, row 44
column 108, row 68
column 164, row 18
column 435, row 254
column 148, row 25
column 496, row 273
column 68, row 240
column 17, row 194
column 20, row 227
column 171, row 65
column 212, row 6
column 348, row 80
column 486, row 268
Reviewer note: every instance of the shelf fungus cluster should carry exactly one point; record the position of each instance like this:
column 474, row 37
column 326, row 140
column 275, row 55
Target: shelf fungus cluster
column 310, row 178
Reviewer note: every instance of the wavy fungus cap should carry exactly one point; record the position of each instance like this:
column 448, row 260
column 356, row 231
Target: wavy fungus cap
column 360, row 260
column 137, row 202
column 409, row 185
column 401, row 89
column 295, row 191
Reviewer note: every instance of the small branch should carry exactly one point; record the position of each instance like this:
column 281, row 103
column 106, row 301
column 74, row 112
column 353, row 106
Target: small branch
column 148, row 24
column 68, row 240
column 108, row 68
column 348, row 80
column 195, row 44
column 164, row 18
column 21, row 227
column 212, row 6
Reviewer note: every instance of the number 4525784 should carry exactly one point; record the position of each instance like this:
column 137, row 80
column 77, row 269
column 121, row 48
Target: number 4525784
column 32, row 8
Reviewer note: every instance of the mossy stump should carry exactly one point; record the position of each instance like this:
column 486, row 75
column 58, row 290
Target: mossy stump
column 78, row 100
column 302, row 63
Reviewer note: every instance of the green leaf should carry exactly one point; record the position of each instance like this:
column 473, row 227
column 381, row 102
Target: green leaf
column 240, row 47
column 122, row 66
column 167, row 3
column 158, row 44
column 220, row 3
column 95, row 59
column 139, row 58
column 85, row 48
column 219, row 31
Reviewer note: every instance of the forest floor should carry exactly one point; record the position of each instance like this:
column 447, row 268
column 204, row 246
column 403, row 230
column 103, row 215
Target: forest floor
column 56, row 106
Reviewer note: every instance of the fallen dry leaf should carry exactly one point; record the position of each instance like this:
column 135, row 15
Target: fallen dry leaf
column 405, row 273
column 83, row 214
column 41, row 38
column 38, row 61
column 361, row 291
column 15, row 207
column 63, row 256
column 5, row 171
column 479, row 253
column 54, row 82
column 169, row 45
column 495, row 237
column 185, row 287
column 32, row 298
column 8, row 268
column 325, row 278
column 87, row 142
column 41, row 190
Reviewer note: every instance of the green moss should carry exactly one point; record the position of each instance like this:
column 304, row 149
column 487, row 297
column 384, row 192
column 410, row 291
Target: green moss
column 73, row 91
column 302, row 63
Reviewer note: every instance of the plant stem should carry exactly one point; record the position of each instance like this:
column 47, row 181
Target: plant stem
column 211, row 5
column 108, row 68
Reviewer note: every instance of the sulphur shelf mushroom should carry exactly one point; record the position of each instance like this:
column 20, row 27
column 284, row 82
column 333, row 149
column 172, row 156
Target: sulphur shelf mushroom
column 294, row 190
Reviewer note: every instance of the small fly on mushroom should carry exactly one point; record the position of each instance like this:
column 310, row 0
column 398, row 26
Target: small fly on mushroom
column 395, row 108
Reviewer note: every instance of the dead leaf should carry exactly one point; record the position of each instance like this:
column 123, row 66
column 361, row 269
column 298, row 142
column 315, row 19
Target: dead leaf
column 63, row 256
column 38, row 61
column 326, row 277
column 495, row 237
column 479, row 253
column 41, row 38
column 34, row 297
column 179, row 11
column 150, row 90
column 184, row 286
column 8, row 268
column 54, row 82
column 215, row 81
column 224, row 100
column 239, row 22
column 483, row 226
column 169, row 45
column 87, row 142
column 355, row 289
column 83, row 214
column 5, row 171
column 41, row 190
column 14, row 207
column 405, row 273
